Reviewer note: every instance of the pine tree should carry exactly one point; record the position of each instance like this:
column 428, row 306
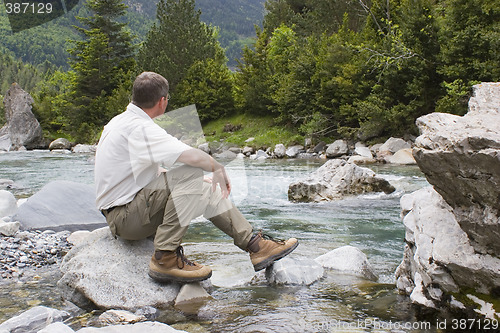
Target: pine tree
column 178, row 41
column 103, row 61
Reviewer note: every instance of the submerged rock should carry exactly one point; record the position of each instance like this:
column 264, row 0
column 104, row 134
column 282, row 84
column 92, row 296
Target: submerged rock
column 348, row 259
column 33, row 320
column 113, row 274
column 336, row 179
column 294, row 271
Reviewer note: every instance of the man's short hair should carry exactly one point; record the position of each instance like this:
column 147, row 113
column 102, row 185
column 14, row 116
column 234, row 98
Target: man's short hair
column 148, row 89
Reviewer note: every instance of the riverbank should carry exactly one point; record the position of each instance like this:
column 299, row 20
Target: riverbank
column 371, row 223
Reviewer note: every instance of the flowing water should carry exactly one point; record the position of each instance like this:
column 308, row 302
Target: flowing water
column 242, row 302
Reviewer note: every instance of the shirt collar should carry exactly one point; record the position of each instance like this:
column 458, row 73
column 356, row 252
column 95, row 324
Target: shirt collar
column 138, row 111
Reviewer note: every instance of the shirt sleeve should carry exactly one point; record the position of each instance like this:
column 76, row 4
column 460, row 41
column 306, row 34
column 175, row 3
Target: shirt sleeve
column 150, row 144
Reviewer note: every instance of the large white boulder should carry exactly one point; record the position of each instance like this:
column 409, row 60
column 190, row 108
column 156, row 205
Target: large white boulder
column 336, row 179
column 61, row 205
column 113, row 274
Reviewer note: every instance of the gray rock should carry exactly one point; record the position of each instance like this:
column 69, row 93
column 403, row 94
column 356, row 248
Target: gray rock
column 293, row 151
column 148, row 326
column 439, row 253
column 294, row 272
column 247, row 151
column 119, row 317
column 260, row 154
column 205, row 147
column 113, row 274
column 8, row 203
column 84, row 149
column 33, row 320
column 226, row 155
column 61, row 205
column 392, row 145
column 9, row 229
column 279, row 150
column 336, row 179
column 60, row 143
column 320, row 147
column 362, row 150
column 402, row 156
column 21, row 128
column 350, row 260
column 460, row 157
column 337, row 149
column 356, row 159
column 57, row 327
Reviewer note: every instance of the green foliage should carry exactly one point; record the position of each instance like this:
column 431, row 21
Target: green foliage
column 177, row 41
column 470, row 44
column 253, row 91
column 103, row 63
column 208, row 84
column 372, row 75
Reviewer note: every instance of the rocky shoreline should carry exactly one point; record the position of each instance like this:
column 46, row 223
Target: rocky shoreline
column 451, row 257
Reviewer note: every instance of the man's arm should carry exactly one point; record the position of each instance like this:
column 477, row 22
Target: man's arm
column 200, row 159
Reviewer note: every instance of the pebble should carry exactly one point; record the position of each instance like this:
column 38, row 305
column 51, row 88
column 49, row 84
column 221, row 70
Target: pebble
column 31, row 249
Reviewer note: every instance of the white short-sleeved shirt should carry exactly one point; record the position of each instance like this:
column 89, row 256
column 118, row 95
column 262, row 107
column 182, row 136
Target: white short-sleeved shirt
column 130, row 152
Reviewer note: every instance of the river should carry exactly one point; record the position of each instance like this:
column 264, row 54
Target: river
column 370, row 222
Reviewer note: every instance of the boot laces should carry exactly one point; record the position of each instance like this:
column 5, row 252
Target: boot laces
column 267, row 237
column 180, row 255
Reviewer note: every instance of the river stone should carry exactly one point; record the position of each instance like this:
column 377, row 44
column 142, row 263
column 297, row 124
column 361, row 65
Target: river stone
column 8, row 203
column 33, row 320
column 60, row 143
column 438, row 253
column 21, row 128
column 460, row 157
column 279, row 150
column 392, row 145
column 348, row 259
column 57, row 327
column 361, row 150
column 294, row 271
column 61, row 205
column 115, row 317
column 337, row 149
column 336, row 179
column 113, row 274
column 9, row 229
column 402, row 156
column 84, row 149
column 148, row 326
column 293, row 151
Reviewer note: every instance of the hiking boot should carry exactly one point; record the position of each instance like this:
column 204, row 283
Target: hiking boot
column 173, row 266
column 265, row 250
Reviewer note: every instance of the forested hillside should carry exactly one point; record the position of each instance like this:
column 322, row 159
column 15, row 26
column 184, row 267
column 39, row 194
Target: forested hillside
column 48, row 42
column 357, row 69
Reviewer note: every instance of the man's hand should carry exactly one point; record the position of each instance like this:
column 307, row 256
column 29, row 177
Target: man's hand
column 200, row 159
column 220, row 177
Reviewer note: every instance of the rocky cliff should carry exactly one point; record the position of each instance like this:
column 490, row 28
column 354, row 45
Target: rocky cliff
column 453, row 229
column 21, row 128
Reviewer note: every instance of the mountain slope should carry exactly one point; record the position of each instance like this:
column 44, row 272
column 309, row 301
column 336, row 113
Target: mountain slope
column 49, row 42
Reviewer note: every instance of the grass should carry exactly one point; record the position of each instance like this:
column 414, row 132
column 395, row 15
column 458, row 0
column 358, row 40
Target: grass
column 265, row 131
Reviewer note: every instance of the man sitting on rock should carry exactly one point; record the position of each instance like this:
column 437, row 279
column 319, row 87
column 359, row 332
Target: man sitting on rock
column 139, row 199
